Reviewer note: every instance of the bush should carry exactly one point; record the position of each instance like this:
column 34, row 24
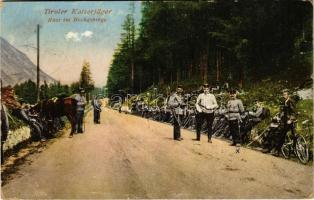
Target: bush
column 14, row 122
column 269, row 93
column 305, row 110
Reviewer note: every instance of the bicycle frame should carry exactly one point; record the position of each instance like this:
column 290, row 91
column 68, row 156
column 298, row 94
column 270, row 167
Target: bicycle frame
column 297, row 144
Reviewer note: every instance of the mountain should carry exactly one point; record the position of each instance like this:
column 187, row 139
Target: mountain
column 16, row 67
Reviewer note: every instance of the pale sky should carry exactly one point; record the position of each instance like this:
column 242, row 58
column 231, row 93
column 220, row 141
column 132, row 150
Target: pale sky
column 65, row 45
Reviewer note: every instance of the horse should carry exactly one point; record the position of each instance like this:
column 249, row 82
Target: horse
column 57, row 107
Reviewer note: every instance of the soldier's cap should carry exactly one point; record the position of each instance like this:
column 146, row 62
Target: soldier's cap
column 232, row 91
column 205, row 85
column 285, row 90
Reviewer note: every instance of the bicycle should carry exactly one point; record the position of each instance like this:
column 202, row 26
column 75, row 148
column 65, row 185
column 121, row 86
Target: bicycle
column 221, row 126
column 296, row 144
column 189, row 120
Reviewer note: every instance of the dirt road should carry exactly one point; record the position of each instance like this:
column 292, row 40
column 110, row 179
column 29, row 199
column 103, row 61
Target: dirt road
column 130, row 157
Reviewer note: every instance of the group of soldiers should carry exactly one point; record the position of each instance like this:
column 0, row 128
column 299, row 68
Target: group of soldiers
column 80, row 108
column 206, row 105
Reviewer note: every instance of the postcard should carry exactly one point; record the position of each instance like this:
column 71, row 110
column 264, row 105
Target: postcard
column 156, row 99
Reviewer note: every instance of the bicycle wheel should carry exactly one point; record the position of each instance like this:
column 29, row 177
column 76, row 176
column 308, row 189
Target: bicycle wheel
column 226, row 131
column 35, row 131
column 186, row 122
column 302, row 150
column 285, row 150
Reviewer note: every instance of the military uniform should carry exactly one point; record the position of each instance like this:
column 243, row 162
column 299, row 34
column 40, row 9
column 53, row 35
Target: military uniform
column 235, row 108
column 257, row 113
column 97, row 109
column 80, row 107
column 287, row 108
column 175, row 102
column 205, row 105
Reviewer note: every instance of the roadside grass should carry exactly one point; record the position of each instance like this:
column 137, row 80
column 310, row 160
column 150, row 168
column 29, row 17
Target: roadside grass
column 14, row 122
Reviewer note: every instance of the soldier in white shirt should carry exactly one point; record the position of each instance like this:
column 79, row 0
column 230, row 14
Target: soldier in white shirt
column 205, row 105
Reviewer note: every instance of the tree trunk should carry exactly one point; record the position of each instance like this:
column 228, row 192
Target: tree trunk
column 132, row 76
column 140, row 79
column 204, row 66
column 190, row 71
column 161, row 77
column 171, row 78
column 178, row 75
column 222, row 64
column 241, row 76
column 201, row 67
column 218, row 64
column 205, row 62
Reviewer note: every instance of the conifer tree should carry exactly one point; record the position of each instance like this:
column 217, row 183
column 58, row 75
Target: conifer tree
column 86, row 81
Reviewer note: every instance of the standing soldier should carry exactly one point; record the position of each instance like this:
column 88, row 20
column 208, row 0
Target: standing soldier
column 287, row 116
column 175, row 103
column 96, row 103
column 205, row 105
column 235, row 108
column 80, row 107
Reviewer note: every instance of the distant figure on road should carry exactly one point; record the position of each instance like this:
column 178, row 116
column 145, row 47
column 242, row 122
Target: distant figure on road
column 80, row 107
column 235, row 108
column 96, row 103
column 176, row 103
column 205, row 105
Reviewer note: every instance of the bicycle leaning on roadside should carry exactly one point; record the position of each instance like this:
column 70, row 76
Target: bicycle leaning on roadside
column 296, row 144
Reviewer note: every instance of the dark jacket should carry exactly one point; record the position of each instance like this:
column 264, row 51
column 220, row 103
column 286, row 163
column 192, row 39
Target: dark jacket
column 288, row 109
column 4, row 123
